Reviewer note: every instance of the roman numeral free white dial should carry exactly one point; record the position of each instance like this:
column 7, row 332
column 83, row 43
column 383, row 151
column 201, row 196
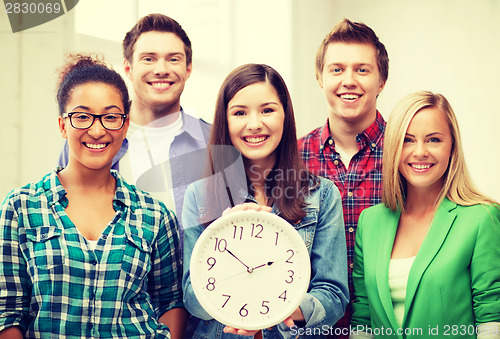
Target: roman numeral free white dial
column 250, row 269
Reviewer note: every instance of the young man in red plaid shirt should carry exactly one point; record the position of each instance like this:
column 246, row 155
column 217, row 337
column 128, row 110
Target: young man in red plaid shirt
column 351, row 68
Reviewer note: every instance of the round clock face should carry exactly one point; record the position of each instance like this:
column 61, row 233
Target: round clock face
column 250, row 269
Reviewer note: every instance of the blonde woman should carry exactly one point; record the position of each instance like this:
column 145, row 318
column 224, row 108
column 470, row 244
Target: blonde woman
column 427, row 260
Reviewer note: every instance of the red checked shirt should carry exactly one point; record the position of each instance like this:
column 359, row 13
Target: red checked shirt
column 360, row 184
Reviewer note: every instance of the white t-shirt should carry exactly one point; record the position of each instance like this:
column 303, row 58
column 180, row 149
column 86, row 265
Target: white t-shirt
column 149, row 147
column 344, row 156
column 399, row 270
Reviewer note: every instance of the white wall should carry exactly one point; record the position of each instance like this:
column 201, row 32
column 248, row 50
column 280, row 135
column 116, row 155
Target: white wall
column 447, row 46
column 29, row 134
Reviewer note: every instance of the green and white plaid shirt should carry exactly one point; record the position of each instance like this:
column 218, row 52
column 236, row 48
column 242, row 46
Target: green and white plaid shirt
column 52, row 285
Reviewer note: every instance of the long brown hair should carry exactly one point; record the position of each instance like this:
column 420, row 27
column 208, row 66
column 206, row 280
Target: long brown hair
column 288, row 174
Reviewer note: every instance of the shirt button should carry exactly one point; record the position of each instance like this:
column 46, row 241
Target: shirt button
column 351, row 265
column 104, row 236
column 373, row 145
column 330, row 142
column 94, row 262
column 351, row 229
column 350, row 194
column 336, row 162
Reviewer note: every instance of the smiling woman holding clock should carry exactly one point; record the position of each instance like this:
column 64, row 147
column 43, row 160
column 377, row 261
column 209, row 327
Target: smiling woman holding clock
column 247, row 269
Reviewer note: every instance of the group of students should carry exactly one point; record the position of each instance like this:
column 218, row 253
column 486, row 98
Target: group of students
column 392, row 220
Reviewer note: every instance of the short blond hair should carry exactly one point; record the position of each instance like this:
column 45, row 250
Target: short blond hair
column 458, row 186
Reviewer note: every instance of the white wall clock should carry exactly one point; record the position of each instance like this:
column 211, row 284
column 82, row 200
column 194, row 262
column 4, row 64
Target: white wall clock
column 250, row 269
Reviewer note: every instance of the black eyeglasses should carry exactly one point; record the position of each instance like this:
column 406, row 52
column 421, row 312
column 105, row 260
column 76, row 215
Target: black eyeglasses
column 83, row 120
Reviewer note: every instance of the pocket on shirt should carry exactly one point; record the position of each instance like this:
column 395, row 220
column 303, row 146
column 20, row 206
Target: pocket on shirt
column 44, row 246
column 136, row 257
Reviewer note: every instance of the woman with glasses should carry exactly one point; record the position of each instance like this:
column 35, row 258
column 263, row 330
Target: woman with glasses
column 82, row 253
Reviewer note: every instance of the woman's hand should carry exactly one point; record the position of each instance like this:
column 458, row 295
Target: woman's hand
column 246, row 207
column 288, row 322
column 233, row 330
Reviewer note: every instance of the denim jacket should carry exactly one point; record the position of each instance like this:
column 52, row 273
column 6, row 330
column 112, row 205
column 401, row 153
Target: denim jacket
column 323, row 233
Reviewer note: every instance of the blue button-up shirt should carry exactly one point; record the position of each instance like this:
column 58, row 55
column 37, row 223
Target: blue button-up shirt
column 53, row 285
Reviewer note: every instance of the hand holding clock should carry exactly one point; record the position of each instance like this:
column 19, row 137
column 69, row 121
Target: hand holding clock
column 288, row 322
column 297, row 314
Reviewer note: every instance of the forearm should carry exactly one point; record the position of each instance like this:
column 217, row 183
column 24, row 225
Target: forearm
column 297, row 315
column 175, row 319
column 11, row 333
column 15, row 282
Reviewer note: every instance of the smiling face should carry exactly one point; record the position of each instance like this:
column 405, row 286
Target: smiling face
column 426, row 151
column 94, row 147
column 255, row 118
column 158, row 71
column 351, row 82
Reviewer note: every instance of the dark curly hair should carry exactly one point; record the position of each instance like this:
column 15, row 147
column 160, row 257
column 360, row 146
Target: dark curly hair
column 84, row 68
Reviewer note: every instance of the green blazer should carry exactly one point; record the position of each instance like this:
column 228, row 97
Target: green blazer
column 454, row 282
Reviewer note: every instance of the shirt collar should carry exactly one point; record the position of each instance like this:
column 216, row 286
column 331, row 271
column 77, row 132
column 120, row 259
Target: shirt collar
column 55, row 192
column 369, row 137
column 325, row 135
column 245, row 196
column 124, row 195
column 375, row 132
column 192, row 126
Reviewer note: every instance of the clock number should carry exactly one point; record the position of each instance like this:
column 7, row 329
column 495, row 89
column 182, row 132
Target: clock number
column 259, row 228
column 264, row 306
column 243, row 311
column 211, row 262
column 211, row 284
column 228, row 297
column 220, row 244
column 291, row 277
column 283, row 296
column 276, row 242
column 288, row 260
column 235, row 233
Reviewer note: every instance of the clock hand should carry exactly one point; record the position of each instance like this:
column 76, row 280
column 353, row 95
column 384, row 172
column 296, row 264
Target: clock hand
column 249, row 270
column 269, row 263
